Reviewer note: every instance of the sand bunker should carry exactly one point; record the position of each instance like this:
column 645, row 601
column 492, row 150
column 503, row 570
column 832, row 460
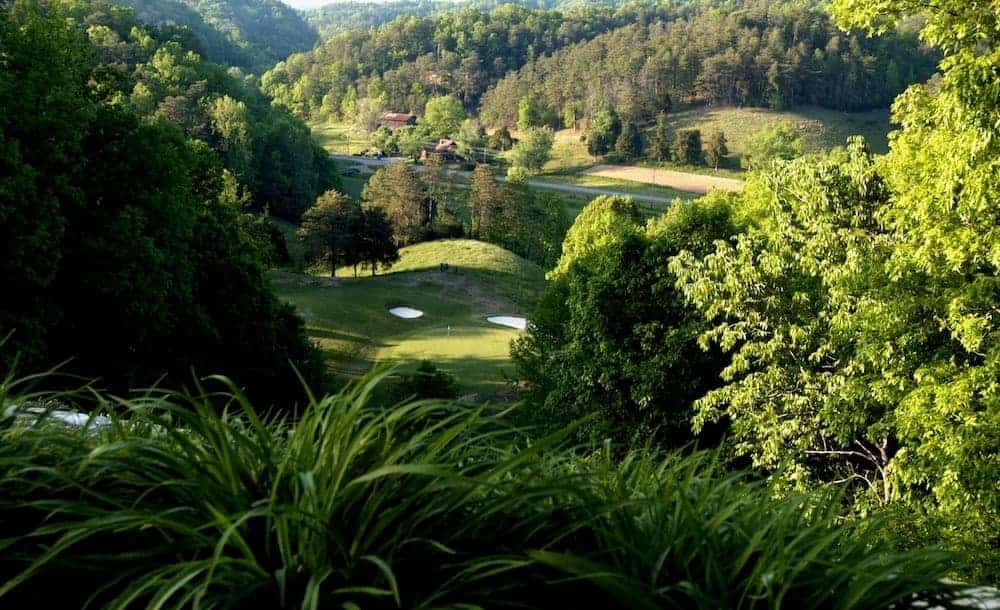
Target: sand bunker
column 509, row 321
column 407, row 313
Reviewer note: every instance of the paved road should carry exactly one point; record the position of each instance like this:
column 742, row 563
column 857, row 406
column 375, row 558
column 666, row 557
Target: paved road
column 536, row 182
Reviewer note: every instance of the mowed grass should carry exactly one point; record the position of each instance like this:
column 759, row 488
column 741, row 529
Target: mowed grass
column 340, row 138
column 349, row 318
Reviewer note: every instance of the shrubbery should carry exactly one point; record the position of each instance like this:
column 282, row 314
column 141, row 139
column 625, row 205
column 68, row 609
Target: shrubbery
column 426, row 504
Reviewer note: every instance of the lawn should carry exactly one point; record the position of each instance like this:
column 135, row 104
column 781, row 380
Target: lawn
column 349, row 317
column 341, row 138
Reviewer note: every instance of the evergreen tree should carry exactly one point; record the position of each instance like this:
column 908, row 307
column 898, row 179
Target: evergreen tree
column 661, row 144
column 716, row 149
column 376, row 241
column 485, row 204
column 686, row 148
column 603, row 132
column 629, row 143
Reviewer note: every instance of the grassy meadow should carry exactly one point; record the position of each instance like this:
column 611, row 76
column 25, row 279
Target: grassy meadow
column 821, row 129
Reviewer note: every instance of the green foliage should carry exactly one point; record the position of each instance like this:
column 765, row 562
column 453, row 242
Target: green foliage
column 779, row 142
column 529, row 223
column 399, row 193
column 418, row 505
column 159, row 76
column 251, row 34
column 628, row 146
column 533, row 149
column 763, row 53
column 427, row 382
column 471, row 139
column 611, row 335
column 716, row 149
column 605, row 220
column 443, row 116
column 844, row 364
column 145, row 267
column 330, row 229
column 377, row 245
column 662, row 139
column 412, row 59
column 687, row 149
column 602, row 132
column 532, row 114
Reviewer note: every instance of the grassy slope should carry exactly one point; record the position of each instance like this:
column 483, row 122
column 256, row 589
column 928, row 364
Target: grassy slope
column 348, row 317
column 342, row 138
column 821, row 129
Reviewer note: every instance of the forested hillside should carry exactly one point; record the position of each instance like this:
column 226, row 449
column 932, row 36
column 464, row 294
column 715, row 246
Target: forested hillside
column 251, row 34
column 401, row 64
column 770, row 54
column 345, row 15
column 128, row 165
column 151, row 72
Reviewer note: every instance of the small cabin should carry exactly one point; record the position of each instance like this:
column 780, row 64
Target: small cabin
column 445, row 148
column 395, row 120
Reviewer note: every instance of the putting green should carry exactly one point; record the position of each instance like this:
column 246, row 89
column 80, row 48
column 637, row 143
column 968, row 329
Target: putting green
column 477, row 354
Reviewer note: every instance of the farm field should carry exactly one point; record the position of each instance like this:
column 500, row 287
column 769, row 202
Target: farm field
column 350, row 321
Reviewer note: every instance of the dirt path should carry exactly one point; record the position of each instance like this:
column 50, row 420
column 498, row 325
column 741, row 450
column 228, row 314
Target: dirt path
column 681, row 181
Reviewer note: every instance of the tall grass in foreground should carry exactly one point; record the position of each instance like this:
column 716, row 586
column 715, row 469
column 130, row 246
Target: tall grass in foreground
column 198, row 501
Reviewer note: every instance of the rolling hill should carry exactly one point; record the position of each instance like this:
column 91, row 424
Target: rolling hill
column 250, row 34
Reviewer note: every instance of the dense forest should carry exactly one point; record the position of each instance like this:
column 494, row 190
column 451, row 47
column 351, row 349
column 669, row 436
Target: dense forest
column 155, row 74
column 344, row 16
column 129, row 165
column 779, row 396
column 770, row 54
column 401, row 64
column 250, row 34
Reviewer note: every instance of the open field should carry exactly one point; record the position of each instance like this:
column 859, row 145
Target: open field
column 349, row 317
column 821, row 129
column 342, row 138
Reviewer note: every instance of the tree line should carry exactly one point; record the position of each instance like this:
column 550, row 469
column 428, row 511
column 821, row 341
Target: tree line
column 400, row 207
column 774, row 55
column 400, row 65
column 123, row 243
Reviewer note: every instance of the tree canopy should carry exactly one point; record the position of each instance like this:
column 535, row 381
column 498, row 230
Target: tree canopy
column 120, row 237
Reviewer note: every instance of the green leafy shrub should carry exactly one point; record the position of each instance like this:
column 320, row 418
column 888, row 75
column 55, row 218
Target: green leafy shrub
column 178, row 504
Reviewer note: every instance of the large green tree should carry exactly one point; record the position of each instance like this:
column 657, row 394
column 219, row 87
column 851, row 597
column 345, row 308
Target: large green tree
column 398, row 191
column 329, row 229
column 533, row 150
column 613, row 338
column 443, row 116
